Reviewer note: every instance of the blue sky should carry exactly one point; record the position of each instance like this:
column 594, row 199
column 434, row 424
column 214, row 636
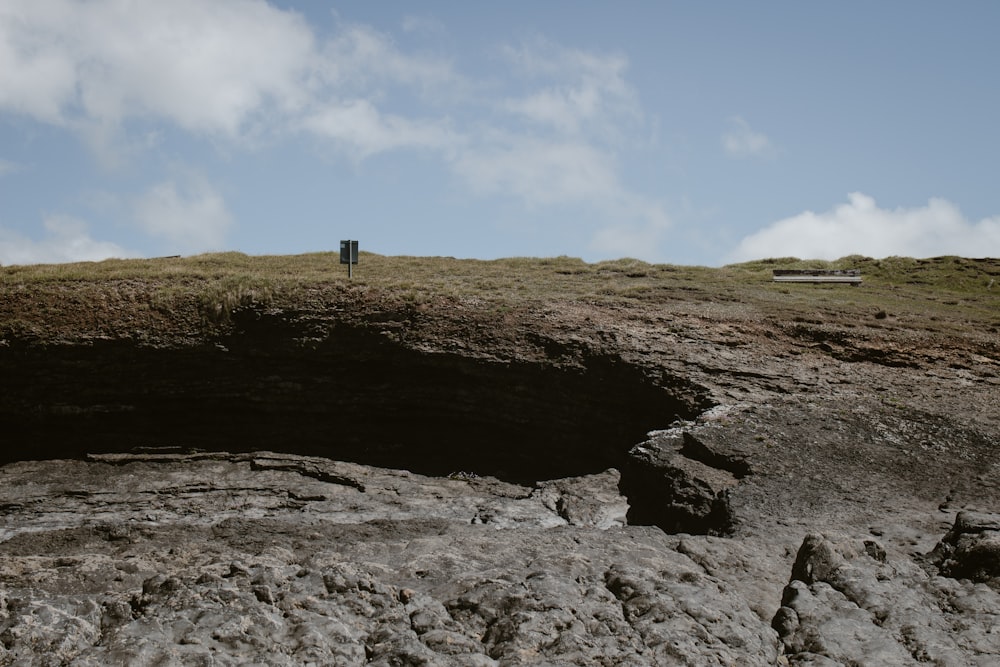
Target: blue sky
column 681, row 132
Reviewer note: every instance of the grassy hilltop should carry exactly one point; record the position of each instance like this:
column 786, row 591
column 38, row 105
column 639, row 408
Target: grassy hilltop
column 942, row 295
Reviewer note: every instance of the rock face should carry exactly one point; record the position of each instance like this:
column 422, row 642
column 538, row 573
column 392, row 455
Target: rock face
column 353, row 394
column 281, row 559
column 156, row 559
column 849, row 599
column 365, row 481
column 971, row 550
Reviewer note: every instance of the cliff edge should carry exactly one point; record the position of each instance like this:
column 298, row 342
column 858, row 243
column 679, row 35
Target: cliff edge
column 228, row 459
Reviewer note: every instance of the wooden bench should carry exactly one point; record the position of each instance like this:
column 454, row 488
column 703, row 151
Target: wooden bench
column 850, row 276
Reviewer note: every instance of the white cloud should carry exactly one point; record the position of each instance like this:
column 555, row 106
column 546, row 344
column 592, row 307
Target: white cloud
column 861, row 227
column 583, row 92
column 566, row 152
column 192, row 216
column 206, row 66
column 565, row 110
column 742, row 141
column 37, row 74
column 228, row 68
column 539, row 171
column 359, row 58
column 234, row 69
column 545, row 172
column 363, row 130
column 558, row 145
column 66, row 239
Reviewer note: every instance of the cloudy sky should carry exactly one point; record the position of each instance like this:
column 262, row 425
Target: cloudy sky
column 683, row 132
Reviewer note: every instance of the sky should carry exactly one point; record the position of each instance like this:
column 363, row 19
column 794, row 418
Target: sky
column 681, row 132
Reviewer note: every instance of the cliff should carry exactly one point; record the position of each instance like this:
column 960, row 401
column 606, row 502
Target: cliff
column 225, row 459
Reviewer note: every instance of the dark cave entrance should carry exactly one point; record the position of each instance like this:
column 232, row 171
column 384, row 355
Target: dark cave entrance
column 355, row 396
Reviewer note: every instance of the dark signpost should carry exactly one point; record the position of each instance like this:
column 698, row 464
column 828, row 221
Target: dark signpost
column 349, row 256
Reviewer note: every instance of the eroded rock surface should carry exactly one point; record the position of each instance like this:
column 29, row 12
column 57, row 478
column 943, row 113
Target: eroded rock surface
column 281, row 559
column 848, row 598
column 971, row 549
column 175, row 559
column 360, row 480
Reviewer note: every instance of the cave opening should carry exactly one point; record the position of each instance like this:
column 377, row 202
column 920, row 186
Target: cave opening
column 355, row 396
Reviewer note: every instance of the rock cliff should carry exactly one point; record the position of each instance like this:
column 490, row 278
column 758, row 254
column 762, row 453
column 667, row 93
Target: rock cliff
column 348, row 475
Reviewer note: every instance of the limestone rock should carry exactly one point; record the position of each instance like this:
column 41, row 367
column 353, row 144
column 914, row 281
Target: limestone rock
column 848, row 602
column 971, row 549
column 672, row 472
column 672, row 486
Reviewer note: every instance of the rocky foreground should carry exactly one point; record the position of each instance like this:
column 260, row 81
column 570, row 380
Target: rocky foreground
column 366, row 480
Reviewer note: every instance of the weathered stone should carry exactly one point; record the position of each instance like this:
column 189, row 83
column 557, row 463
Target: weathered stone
column 669, row 489
column 350, row 479
column 971, row 549
column 844, row 605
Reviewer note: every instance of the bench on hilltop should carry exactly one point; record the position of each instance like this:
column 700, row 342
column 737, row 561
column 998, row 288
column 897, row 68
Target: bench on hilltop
column 851, row 276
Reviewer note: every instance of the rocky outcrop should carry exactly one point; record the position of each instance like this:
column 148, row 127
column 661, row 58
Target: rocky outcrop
column 172, row 558
column 351, row 479
column 674, row 482
column 971, row 549
column 344, row 392
column 849, row 602
column 281, row 559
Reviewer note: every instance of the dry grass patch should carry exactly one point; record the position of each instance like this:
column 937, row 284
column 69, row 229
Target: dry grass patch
column 941, row 294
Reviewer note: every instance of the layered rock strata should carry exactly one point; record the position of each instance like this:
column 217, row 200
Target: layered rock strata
column 370, row 482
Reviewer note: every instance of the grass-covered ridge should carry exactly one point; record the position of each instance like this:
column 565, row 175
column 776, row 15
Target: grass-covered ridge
column 953, row 291
column 952, row 273
column 957, row 274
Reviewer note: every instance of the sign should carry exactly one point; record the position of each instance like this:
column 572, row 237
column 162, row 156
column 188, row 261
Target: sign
column 349, row 256
column 348, row 252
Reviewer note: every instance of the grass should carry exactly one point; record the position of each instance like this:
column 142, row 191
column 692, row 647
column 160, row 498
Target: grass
column 944, row 294
column 956, row 274
column 954, row 288
column 234, row 277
